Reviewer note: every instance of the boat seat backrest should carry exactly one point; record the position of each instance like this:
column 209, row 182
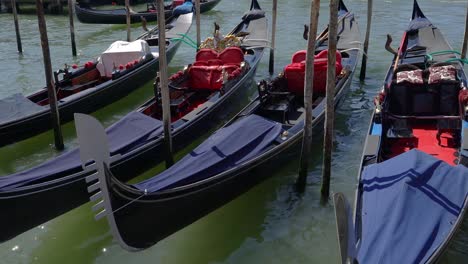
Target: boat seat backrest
column 295, row 73
column 299, row 56
column 207, row 71
column 206, row 55
column 211, row 77
column 444, row 80
column 215, row 62
column 425, row 93
column 200, row 63
column 232, row 55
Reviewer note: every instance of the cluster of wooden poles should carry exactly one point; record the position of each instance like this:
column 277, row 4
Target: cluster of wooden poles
column 162, row 77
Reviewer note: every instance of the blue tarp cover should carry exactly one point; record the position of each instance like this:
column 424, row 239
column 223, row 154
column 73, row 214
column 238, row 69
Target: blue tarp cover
column 132, row 130
column 409, row 205
column 228, row 147
column 184, row 8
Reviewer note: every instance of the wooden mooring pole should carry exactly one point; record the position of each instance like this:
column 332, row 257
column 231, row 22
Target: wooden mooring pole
column 362, row 75
column 164, row 88
column 15, row 17
column 308, row 95
column 198, row 14
column 330, row 106
column 48, row 74
column 273, row 36
column 72, row 27
column 127, row 10
column 465, row 39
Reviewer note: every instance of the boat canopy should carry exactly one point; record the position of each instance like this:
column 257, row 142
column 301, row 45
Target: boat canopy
column 413, row 195
column 227, row 148
column 132, row 130
column 17, row 106
column 121, row 53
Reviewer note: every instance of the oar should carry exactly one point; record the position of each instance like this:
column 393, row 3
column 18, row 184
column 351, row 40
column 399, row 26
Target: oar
column 345, row 229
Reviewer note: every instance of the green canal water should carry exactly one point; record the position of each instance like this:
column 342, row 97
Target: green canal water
column 268, row 224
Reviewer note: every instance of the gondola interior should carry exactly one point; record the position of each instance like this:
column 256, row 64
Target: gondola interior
column 420, row 106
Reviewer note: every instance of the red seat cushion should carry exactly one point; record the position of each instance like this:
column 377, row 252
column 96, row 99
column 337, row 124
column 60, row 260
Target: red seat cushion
column 206, row 55
column 295, row 72
column 200, row 77
column 215, row 62
column 177, row 3
column 232, row 55
column 200, row 63
column 206, row 72
column 299, row 56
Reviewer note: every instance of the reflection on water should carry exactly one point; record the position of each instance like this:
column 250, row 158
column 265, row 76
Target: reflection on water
column 270, row 223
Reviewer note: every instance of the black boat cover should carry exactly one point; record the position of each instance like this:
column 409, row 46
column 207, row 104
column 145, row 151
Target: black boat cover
column 227, row 148
column 16, row 107
column 132, row 130
column 409, row 206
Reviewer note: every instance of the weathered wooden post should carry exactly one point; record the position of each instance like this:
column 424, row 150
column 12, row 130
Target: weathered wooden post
column 273, row 36
column 362, row 75
column 465, row 39
column 72, row 27
column 48, row 74
column 127, row 9
column 330, row 106
column 15, row 17
column 308, row 95
column 198, row 14
column 163, row 81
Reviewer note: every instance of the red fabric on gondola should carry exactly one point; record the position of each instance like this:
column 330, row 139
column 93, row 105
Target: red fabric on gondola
column 200, row 77
column 232, row 55
column 177, row 3
column 463, row 97
column 216, row 77
column 206, row 55
column 425, row 139
column 206, row 72
column 200, row 63
column 295, row 72
column 215, row 62
column 299, row 56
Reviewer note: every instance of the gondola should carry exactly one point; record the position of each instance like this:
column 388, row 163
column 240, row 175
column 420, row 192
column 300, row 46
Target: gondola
column 413, row 184
column 87, row 14
column 118, row 71
column 136, row 139
column 228, row 163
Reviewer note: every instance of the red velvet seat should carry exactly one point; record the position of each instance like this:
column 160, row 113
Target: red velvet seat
column 206, row 71
column 200, row 77
column 206, row 55
column 200, row 63
column 232, row 56
column 299, row 56
column 295, row 72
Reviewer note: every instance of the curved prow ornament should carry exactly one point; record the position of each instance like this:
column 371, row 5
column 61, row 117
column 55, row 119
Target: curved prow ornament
column 94, row 153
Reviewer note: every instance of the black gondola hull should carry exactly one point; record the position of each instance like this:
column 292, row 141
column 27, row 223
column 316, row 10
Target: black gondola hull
column 97, row 98
column 118, row 16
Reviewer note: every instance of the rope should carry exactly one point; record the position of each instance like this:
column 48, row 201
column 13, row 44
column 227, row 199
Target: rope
column 187, row 37
column 442, row 52
column 186, row 42
column 129, row 203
